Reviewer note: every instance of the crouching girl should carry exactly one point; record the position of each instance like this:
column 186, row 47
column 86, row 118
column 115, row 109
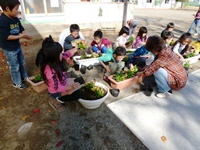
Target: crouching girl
column 53, row 71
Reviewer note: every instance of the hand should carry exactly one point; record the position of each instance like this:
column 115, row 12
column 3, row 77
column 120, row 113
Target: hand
column 139, row 74
column 74, row 44
column 147, row 56
column 108, row 69
column 76, row 85
column 28, row 37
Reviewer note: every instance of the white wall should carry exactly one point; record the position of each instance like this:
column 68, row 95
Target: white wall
column 87, row 14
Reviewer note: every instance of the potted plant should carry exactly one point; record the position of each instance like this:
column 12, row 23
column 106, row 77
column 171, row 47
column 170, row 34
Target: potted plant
column 93, row 94
column 186, row 66
column 124, row 79
column 82, row 45
column 87, row 59
column 37, row 83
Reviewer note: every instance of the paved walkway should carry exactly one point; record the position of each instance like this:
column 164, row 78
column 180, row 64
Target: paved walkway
column 171, row 123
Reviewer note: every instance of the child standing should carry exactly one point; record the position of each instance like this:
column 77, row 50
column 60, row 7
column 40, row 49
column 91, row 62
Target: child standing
column 116, row 57
column 132, row 26
column 74, row 35
column 11, row 31
column 99, row 44
column 196, row 22
column 167, row 37
column 182, row 45
column 53, row 71
column 141, row 38
column 170, row 27
column 123, row 36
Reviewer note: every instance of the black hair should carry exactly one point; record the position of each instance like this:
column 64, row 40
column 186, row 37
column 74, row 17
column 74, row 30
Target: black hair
column 51, row 56
column 141, row 31
column 40, row 53
column 9, row 3
column 120, row 51
column 170, row 25
column 167, row 35
column 98, row 33
column 74, row 27
column 155, row 44
column 123, row 30
column 184, row 37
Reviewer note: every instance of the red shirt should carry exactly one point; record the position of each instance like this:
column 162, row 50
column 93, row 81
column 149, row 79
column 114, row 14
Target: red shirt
column 104, row 42
column 168, row 60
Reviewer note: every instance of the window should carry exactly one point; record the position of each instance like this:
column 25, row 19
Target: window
column 149, row 1
column 166, row 1
column 54, row 6
column 34, row 6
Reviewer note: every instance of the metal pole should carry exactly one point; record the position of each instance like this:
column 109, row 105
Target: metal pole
column 125, row 12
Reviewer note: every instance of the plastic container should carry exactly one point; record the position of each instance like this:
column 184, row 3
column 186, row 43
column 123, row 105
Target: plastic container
column 86, row 62
column 39, row 86
column 192, row 60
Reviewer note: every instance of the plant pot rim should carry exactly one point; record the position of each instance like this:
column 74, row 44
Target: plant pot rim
column 120, row 82
column 99, row 99
column 32, row 83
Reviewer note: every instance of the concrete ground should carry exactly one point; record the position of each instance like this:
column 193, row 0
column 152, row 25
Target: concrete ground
column 79, row 128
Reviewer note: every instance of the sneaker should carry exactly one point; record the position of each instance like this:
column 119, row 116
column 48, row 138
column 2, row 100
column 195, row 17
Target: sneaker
column 57, row 98
column 57, row 106
column 24, row 79
column 20, row 86
column 163, row 95
column 195, row 34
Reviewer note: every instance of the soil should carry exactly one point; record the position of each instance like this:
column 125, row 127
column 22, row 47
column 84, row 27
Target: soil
column 78, row 127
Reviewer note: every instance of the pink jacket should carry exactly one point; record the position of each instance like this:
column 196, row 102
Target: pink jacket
column 54, row 84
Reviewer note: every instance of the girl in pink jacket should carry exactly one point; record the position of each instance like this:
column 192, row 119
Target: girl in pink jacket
column 53, row 72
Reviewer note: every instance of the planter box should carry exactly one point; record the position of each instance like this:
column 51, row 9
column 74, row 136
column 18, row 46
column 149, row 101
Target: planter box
column 39, row 86
column 192, row 60
column 125, row 83
column 92, row 104
column 86, row 62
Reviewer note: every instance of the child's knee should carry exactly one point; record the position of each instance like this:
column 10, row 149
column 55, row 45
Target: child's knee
column 104, row 49
column 95, row 49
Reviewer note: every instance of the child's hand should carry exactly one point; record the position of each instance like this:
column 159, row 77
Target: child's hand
column 147, row 56
column 74, row 44
column 139, row 74
column 108, row 69
column 28, row 37
column 76, row 86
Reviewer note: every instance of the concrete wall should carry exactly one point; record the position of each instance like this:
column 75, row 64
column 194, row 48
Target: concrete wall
column 96, row 15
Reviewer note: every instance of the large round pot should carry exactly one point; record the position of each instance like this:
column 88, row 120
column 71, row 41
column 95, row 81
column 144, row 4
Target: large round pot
column 92, row 104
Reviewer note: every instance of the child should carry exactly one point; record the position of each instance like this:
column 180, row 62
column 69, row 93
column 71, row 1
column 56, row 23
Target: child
column 132, row 26
column 65, row 33
column 141, row 57
column 167, row 37
column 182, row 45
column 53, row 71
column 99, row 44
column 74, row 35
column 141, row 38
column 196, row 22
column 170, row 27
column 11, row 31
column 39, row 54
column 123, row 36
column 116, row 56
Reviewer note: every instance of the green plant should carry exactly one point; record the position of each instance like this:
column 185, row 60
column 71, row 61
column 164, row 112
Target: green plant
column 98, row 91
column 84, row 56
column 89, row 85
column 131, row 39
column 189, row 55
column 38, row 78
column 125, row 74
column 187, row 65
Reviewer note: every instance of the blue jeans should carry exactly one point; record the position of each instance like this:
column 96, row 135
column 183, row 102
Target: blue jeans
column 16, row 63
column 161, row 78
column 196, row 23
column 95, row 49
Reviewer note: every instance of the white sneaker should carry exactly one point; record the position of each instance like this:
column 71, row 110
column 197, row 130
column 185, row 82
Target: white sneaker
column 163, row 95
column 196, row 34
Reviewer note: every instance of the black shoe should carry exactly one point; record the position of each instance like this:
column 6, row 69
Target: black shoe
column 79, row 80
column 83, row 69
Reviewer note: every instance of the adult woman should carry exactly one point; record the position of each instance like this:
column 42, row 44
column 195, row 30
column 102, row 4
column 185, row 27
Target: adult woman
column 167, row 69
column 132, row 24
